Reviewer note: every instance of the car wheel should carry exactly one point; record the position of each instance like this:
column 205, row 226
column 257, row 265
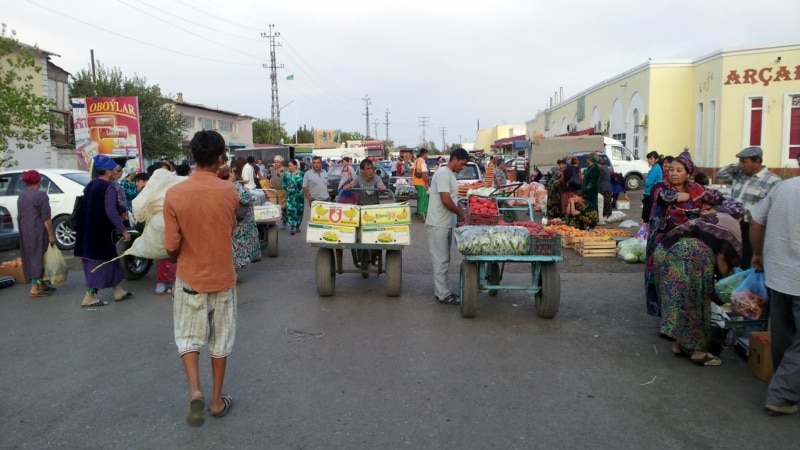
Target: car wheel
column 65, row 235
column 633, row 182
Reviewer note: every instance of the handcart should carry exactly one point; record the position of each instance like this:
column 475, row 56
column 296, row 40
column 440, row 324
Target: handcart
column 386, row 258
column 267, row 217
column 483, row 273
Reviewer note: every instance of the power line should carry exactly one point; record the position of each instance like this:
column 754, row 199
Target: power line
column 203, row 25
column 276, row 108
column 387, row 124
column 443, row 130
column 367, row 102
column 423, row 122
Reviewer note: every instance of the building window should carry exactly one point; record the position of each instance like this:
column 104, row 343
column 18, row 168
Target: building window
column 756, row 113
column 224, row 125
column 187, row 122
column 794, row 128
column 206, row 124
column 620, row 137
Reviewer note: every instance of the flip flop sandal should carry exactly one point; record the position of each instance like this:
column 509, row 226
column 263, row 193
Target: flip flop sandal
column 39, row 294
column 124, row 297
column 96, row 304
column 196, row 417
column 708, row 360
column 228, row 402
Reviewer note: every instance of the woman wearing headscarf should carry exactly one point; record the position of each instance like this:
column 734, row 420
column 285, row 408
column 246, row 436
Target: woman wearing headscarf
column 554, row 210
column 591, row 179
column 129, row 185
column 295, row 201
column 691, row 235
column 35, row 232
column 246, row 248
column 97, row 226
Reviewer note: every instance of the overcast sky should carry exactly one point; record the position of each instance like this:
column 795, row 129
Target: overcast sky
column 457, row 62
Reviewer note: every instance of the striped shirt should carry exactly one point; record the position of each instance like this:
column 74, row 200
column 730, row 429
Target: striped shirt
column 747, row 190
column 779, row 212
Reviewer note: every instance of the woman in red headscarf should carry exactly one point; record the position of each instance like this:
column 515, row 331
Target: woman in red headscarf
column 36, row 232
column 693, row 234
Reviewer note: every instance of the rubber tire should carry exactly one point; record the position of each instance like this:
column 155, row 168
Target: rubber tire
column 633, row 182
column 549, row 297
column 272, row 241
column 326, row 277
column 363, row 259
column 65, row 235
column 262, row 236
column 135, row 268
column 469, row 288
column 494, row 278
column 394, row 273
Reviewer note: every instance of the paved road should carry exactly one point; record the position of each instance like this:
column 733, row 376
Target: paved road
column 361, row 370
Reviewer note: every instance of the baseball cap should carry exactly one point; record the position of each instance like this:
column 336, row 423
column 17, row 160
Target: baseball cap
column 750, row 152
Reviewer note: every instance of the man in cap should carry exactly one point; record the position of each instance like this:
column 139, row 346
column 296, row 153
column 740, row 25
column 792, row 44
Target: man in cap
column 751, row 181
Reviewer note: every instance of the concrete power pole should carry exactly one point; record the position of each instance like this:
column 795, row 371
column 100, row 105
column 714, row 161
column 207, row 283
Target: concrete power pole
column 387, row 124
column 275, row 131
column 367, row 103
column 443, row 130
column 423, row 122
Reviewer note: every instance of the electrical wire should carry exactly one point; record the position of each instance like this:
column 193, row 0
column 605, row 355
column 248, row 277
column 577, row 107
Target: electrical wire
column 204, row 26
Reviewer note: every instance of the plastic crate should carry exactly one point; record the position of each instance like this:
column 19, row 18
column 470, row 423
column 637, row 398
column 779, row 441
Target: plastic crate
column 743, row 326
column 474, row 218
column 545, row 246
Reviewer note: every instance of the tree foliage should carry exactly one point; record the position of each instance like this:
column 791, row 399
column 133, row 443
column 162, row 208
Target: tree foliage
column 264, row 133
column 304, row 135
column 24, row 116
column 161, row 128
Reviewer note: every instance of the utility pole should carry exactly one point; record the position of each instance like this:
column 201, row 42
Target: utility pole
column 273, row 75
column 387, row 124
column 376, row 130
column 423, row 122
column 367, row 103
column 443, row 130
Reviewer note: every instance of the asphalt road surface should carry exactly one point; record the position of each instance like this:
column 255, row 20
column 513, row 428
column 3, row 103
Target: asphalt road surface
column 362, row 370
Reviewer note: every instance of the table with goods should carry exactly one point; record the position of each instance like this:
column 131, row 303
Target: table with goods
column 374, row 234
column 489, row 243
column 267, row 213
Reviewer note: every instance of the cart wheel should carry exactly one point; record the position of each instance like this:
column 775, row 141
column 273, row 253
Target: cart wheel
column 363, row 259
column 493, row 277
column 469, row 288
column 272, row 240
column 549, row 296
column 262, row 236
column 394, row 272
column 326, row 277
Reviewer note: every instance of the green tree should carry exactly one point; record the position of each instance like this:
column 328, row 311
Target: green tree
column 24, row 116
column 304, row 135
column 350, row 136
column 263, row 132
column 161, row 128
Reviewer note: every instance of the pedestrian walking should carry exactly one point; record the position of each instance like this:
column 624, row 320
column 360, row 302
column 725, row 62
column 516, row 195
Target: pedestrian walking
column 35, row 232
column 315, row 182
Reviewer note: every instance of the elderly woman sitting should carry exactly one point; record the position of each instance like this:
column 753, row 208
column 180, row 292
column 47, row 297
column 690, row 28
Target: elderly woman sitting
column 580, row 214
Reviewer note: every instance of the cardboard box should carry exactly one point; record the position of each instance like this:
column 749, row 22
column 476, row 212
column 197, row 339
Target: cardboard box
column 390, row 235
column 623, row 204
column 329, row 213
column 15, row 273
column 385, row 214
column 330, row 234
column 759, row 357
column 267, row 212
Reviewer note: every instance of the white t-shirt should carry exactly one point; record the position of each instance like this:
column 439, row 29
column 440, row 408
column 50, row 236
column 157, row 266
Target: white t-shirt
column 444, row 180
column 247, row 176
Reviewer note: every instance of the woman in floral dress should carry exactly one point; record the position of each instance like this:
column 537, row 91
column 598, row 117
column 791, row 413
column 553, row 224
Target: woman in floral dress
column 293, row 185
column 246, row 248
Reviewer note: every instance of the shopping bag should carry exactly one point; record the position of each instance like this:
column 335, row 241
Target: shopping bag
column 55, row 266
column 750, row 299
column 725, row 287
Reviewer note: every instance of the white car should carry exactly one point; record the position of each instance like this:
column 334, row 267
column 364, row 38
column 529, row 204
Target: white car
column 61, row 185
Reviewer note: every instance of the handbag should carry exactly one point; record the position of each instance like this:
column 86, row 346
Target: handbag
column 241, row 213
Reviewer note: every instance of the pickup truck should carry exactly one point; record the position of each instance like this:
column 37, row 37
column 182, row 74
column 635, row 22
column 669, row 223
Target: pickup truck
column 401, row 186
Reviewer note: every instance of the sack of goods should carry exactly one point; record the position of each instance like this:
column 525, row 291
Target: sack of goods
column 492, row 240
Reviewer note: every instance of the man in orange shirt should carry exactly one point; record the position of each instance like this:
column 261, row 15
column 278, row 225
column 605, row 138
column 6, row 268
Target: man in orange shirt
column 199, row 218
column 419, row 179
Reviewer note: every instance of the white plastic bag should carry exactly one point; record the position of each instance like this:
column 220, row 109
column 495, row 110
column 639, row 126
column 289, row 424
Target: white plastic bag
column 151, row 199
column 629, row 224
column 55, row 266
column 150, row 245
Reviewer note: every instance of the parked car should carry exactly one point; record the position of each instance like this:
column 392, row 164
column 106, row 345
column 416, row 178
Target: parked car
column 335, row 175
column 583, row 159
column 61, row 185
column 9, row 236
column 469, row 174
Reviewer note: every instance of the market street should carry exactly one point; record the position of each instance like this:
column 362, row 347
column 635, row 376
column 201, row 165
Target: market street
column 362, row 370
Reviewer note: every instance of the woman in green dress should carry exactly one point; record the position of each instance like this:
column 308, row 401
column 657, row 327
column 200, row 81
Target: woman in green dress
column 591, row 179
column 293, row 185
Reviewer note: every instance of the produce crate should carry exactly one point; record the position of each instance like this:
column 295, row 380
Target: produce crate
column 596, row 248
column 743, row 326
column 547, row 246
column 474, row 218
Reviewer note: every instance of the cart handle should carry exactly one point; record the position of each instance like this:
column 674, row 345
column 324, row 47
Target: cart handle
column 394, row 199
column 504, row 188
column 462, row 204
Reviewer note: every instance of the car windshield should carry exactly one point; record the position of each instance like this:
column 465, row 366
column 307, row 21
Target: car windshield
column 81, row 178
column 469, row 172
column 336, row 169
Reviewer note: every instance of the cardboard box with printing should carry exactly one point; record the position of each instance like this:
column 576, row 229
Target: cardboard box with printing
column 267, row 212
column 330, row 234
column 391, row 235
column 329, row 213
column 385, row 214
column 759, row 358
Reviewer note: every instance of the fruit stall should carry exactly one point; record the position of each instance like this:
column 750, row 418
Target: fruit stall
column 489, row 243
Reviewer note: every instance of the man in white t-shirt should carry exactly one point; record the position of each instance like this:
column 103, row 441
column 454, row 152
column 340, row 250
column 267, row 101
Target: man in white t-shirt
column 442, row 209
column 248, row 177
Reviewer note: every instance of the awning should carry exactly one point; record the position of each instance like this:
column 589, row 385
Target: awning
column 507, row 142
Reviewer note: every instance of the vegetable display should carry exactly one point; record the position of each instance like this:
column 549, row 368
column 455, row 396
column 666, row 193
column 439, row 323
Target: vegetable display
column 727, row 285
column 492, row 240
column 632, row 251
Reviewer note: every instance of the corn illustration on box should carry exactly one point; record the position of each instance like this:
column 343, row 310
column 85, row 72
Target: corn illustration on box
column 330, row 234
column 329, row 213
column 385, row 214
column 389, row 235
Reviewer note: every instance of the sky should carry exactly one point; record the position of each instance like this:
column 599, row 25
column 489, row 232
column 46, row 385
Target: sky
column 454, row 65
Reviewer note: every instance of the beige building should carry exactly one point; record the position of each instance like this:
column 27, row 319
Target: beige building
column 486, row 138
column 716, row 105
column 237, row 129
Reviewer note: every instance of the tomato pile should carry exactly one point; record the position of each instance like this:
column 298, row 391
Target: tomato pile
column 482, row 205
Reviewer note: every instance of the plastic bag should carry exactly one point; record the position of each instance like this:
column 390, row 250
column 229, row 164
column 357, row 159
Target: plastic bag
column 725, row 287
column 55, row 266
column 150, row 245
column 750, row 299
column 631, row 251
column 492, row 240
